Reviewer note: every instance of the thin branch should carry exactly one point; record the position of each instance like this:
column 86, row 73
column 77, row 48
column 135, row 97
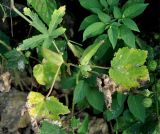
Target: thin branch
column 19, row 13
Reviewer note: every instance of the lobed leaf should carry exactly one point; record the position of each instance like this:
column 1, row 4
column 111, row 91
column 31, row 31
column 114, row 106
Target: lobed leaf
column 56, row 19
column 127, row 67
column 45, row 108
column 32, row 42
column 36, row 22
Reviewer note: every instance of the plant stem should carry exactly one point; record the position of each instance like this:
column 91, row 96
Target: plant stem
column 5, row 45
column 56, row 47
column 18, row 12
column 75, row 43
column 50, row 90
column 100, row 67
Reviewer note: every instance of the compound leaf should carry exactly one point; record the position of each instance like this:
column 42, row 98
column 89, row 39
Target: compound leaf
column 36, row 22
column 56, row 19
column 128, row 69
column 94, row 29
column 33, row 42
column 45, row 108
column 44, row 8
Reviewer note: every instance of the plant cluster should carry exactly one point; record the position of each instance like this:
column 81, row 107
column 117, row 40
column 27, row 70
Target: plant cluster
column 115, row 75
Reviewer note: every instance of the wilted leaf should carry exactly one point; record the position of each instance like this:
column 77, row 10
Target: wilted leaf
column 40, row 107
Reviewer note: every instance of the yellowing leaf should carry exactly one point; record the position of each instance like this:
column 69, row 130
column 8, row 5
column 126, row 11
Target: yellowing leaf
column 49, row 108
column 56, row 18
column 52, row 57
column 128, row 69
column 47, row 72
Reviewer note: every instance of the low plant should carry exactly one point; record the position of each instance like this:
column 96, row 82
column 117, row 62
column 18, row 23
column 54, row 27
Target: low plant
column 121, row 91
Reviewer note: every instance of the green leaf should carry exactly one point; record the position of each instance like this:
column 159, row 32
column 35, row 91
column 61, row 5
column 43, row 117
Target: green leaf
column 127, row 36
column 88, row 21
column 103, row 48
column 57, row 32
column 94, row 29
column 136, row 107
column 104, row 3
column 75, row 123
column 130, row 24
column 13, row 58
column 105, row 18
column 48, row 128
column 84, row 126
column 76, row 50
column 68, row 82
column 112, row 2
column 113, row 35
column 134, row 9
column 33, row 42
column 115, row 111
column 95, row 99
column 117, row 12
column 36, row 22
column 44, row 8
column 89, row 52
column 127, row 67
column 80, row 91
column 45, row 108
column 56, row 19
column 88, row 4
column 121, row 98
